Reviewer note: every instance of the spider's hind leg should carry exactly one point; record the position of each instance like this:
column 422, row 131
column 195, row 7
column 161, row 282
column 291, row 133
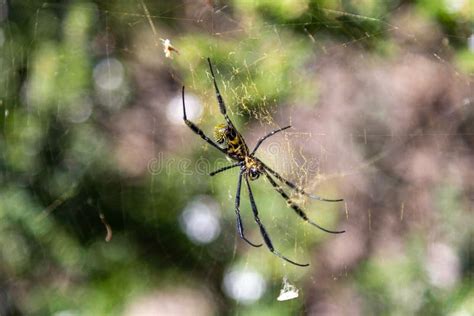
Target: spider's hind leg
column 220, row 100
column 196, row 129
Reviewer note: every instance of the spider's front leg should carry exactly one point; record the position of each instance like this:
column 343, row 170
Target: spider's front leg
column 263, row 231
column 213, row 173
column 296, row 208
column 240, row 227
column 295, row 187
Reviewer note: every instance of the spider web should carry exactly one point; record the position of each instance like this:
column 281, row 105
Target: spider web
column 110, row 185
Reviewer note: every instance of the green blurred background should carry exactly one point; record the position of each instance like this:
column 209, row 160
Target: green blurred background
column 106, row 207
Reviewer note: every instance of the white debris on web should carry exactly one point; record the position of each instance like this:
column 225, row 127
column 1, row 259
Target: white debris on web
column 288, row 291
column 108, row 229
column 168, row 48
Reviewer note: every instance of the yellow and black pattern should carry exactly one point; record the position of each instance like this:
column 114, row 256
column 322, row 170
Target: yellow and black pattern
column 233, row 142
column 230, row 142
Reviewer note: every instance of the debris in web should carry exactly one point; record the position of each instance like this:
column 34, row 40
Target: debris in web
column 108, row 236
column 168, row 49
column 288, row 291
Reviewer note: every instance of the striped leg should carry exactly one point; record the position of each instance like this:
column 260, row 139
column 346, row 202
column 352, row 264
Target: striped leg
column 260, row 141
column 296, row 188
column 240, row 227
column 197, row 130
column 220, row 100
column 213, row 173
column 263, row 231
column 296, row 208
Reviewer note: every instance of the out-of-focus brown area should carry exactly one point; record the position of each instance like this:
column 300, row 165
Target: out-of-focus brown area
column 396, row 132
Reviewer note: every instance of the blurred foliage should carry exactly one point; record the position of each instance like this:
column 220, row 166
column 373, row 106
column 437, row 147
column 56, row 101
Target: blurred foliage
column 59, row 168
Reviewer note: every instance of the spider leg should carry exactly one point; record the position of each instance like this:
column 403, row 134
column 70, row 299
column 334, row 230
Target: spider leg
column 263, row 231
column 260, row 141
column 197, row 130
column 220, row 100
column 240, row 227
column 296, row 208
column 295, row 187
column 213, row 173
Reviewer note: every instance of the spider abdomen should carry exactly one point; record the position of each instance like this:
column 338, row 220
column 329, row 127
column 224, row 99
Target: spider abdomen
column 237, row 148
column 233, row 141
column 220, row 133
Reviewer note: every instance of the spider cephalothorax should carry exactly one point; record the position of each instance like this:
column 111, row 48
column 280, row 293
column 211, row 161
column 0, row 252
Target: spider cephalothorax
column 235, row 148
column 253, row 167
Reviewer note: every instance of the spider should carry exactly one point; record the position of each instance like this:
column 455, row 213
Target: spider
column 231, row 143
